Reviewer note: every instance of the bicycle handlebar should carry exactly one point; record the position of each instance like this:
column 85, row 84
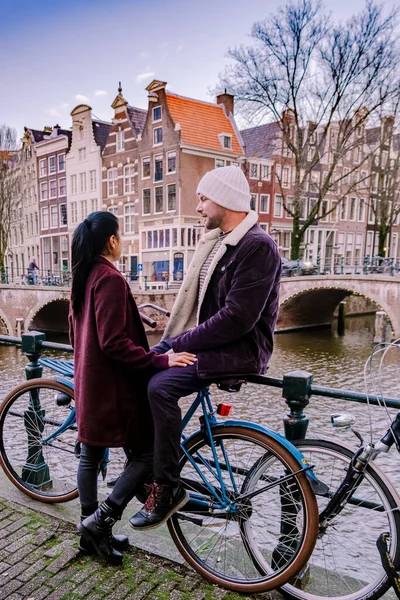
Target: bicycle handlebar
column 148, row 321
column 160, row 309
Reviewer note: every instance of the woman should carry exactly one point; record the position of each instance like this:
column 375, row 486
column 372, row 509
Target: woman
column 112, row 364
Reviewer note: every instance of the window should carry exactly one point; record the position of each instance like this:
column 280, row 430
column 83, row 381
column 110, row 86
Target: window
column 334, row 212
column 120, row 140
column 219, row 162
column 62, row 186
column 352, row 211
column 149, row 239
column 45, row 218
column 264, row 203
column 53, row 188
column 113, row 210
column 83, row 207
column 129, row 179
column 42, row 167
column 63, row 214
column 53, row 216
column 158, row 168
column 156, row 114
column 324, row 210
column 253, row 171
column 171, row 162
column 74, row 187
column 264, row 226
column 253, row 202
column 157, row 136
column 94, row 205
column 361, row 210
column 158, row 193
column 82, row 154
column 266, row 172
column 171, row 197
column 112, row 180
column 285, row 177
column 374, row 182
column 129, row 218
column 343, row 210
column 227, row 141
column 145, row 168
column 92, row 180
column 82, row 181
column 61, row 162
column 278, row 206
column 52, row 165
column 44, row 190
column 146, row 202
column 74, row 212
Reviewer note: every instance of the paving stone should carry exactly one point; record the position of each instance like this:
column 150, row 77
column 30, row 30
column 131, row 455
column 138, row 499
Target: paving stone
column 64, row 575
column 15, row 596
column 15, row 545
column 37, row 582
column 10, row 587
column 56, row 549
column 42, row 537
column 87, row 585
column 14, row 571
column 41, row 593
column 16, row 525
column 21, row 554
column 176, row 595
column 32, row 570
column 35, row 555
column 61, row 592
column 60, row 562
column 142, row 591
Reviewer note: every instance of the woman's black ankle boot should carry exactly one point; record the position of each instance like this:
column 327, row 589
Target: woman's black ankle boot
column 97, row 531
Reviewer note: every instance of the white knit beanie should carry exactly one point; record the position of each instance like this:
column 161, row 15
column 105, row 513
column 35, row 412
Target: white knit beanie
column 226, row 186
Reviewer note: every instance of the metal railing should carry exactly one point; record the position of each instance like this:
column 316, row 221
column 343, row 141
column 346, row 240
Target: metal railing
column 297, row 386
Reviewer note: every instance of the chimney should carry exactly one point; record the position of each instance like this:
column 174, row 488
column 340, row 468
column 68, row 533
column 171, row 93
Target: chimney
column 227, row 100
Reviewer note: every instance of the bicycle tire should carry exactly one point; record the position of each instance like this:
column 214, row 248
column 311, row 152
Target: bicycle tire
column 240, row 570
column 39, row 471
column 346, row 566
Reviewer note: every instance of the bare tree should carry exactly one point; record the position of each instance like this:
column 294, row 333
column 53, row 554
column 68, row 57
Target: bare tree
column 8, row 185
column 321, row 83
column 384, row 189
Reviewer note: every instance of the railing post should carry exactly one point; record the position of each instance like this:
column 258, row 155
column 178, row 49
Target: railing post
column 341, row 265
column 35, row 471
column 296, row 391
column 319, row 264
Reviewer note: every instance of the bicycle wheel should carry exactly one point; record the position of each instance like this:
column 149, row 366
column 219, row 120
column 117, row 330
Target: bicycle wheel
column 240, row 547
column 42, row 468
column 346, row 564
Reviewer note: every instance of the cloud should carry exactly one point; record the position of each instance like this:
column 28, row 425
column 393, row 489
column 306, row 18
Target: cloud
column 100, row 93
column 142, row 76
column 82, row 98
column 180, row 46
column 51, row 112
column 144, row 54
column 64, row 105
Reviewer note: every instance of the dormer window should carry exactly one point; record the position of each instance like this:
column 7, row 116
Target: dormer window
column 226, row 140
column 156, row 114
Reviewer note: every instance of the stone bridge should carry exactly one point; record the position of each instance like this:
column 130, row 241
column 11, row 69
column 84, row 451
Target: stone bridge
column 304, row 302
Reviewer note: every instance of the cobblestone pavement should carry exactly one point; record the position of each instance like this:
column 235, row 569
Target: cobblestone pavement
column 39, row 560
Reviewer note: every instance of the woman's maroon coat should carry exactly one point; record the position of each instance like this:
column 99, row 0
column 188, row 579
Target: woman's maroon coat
column 112, row 363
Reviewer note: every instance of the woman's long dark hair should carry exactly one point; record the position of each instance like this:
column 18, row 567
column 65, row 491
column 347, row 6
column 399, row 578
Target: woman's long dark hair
column 89, row 241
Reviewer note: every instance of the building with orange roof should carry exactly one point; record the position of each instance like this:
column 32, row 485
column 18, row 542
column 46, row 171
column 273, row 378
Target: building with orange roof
column 182, row 139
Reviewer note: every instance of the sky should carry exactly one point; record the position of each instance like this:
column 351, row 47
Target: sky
column 55, row 54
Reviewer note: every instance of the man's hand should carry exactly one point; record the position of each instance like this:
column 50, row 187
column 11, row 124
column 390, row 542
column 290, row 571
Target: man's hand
column 180, row 359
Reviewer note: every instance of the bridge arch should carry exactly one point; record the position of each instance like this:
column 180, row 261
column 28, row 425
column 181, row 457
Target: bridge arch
column 313, row 303
column 52, row 316
column 5, row 325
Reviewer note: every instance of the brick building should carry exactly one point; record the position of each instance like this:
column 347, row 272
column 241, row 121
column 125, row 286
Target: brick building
column 120, row 166
column 51, row 155
column 182, row 139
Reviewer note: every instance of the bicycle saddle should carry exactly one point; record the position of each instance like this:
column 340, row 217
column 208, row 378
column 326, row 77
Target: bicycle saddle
column 231, row 384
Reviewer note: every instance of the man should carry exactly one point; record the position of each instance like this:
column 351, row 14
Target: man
column 32, row 275
column 225, row 314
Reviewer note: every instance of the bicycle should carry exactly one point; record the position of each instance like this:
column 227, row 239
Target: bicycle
column 343, row 567
column 252, row 519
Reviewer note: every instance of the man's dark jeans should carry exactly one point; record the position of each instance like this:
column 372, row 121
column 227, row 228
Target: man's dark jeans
column 164, row 391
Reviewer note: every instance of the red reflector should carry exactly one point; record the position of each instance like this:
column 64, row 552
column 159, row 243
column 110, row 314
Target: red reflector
column 224, row 409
